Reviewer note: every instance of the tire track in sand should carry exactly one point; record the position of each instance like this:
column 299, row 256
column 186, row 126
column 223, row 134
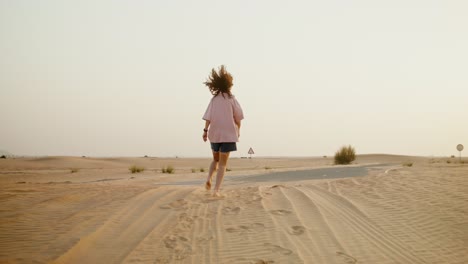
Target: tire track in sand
column 342, row 211
column 43, row 231
column 306, row 228
column 126, row 229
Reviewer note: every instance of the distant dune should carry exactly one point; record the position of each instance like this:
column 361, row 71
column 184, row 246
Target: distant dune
column 397, row 209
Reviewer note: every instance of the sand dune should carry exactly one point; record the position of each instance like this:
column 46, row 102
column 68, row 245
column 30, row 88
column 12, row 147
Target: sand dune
column 394, row 214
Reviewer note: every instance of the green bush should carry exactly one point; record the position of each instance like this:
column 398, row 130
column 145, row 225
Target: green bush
column 345, row 155
column 136, row 169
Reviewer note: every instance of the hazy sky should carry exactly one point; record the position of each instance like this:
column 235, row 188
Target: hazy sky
column 125, row 78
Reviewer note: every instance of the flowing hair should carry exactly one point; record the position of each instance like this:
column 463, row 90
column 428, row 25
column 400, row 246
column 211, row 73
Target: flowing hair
column 219, row 82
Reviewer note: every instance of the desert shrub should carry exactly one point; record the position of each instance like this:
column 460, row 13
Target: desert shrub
column 448, row 161
column 202, row 170
column 267, row 168
column 345, row 155
column 228, row 169
column 408, row 164
column 169, row 169
column 3, row 157
column 73, row 170
column 136, row 169
column 194, row 170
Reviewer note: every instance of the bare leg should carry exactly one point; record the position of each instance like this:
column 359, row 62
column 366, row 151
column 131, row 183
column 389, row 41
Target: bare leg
column 223, row 158
column 212, row 169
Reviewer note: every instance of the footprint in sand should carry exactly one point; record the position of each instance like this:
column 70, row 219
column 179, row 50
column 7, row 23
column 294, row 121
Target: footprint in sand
column 179, row 204
column 261, row 261
column 231, row 210
column 162, row 260
column 185, row 221
column 278, row 249
column 204, row 239
column 255, row 227
column 171, row 241
column 239, row 229
column 297, row 230
column 232, row 230
column 195, row 206
column 345, row 258
column 258, row 226
column 179, row 245
column 280, row 212
column 184, row 217
column 209, row 199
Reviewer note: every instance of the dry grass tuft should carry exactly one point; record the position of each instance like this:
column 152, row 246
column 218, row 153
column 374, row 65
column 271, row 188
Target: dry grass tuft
column 136, row 169
column 345, row 155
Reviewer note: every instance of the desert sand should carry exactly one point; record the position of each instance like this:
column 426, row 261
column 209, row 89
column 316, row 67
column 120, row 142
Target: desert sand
column 274, row 210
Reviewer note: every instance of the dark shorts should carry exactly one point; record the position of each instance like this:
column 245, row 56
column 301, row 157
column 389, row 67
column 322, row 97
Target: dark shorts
column 224, row 147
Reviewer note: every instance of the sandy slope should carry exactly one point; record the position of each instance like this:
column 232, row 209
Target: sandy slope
column 413, row 214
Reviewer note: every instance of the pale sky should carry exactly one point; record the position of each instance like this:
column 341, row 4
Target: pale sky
column 125, row 78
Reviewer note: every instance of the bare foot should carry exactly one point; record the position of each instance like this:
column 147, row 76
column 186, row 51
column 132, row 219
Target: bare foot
column 207, row 186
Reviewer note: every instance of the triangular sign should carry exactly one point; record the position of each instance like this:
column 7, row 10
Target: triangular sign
column 251, row 151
